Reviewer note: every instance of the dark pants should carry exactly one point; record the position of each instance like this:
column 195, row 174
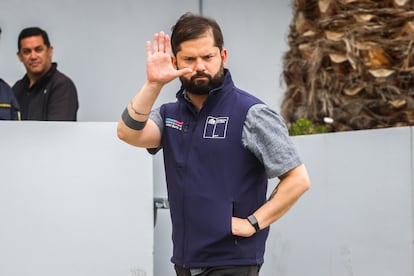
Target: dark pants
column 252, row 270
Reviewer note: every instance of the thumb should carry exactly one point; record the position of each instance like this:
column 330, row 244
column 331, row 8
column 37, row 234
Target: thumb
column 184, row 71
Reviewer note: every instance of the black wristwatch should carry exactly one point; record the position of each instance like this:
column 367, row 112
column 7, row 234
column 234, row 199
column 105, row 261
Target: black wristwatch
column 253, row 221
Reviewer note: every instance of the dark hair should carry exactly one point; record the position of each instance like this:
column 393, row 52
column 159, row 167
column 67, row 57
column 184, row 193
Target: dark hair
column 190, row 26
column 33, row 31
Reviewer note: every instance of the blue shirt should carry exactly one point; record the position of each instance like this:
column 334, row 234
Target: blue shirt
column 9, row 108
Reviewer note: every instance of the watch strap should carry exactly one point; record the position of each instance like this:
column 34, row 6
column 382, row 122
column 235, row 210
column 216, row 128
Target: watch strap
column 253, row 221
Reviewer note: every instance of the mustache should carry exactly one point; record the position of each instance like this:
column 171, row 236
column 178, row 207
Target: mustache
column 200, row 74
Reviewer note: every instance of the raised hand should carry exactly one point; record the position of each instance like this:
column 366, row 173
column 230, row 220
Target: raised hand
column 160, row 68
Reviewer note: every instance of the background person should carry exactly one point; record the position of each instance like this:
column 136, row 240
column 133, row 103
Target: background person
column 220, row 146
column 9, row 108
column 44, row 93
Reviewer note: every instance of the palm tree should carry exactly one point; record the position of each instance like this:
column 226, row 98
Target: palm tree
column 351, row 61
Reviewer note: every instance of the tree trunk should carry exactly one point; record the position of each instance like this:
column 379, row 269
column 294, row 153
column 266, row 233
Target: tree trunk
column 352, row 61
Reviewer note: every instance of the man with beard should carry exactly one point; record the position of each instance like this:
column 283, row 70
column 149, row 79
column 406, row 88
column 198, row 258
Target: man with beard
column 44, row 93
column 220, row 146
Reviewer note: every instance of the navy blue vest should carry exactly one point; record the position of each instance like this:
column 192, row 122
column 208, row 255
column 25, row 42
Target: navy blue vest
column 211, row 177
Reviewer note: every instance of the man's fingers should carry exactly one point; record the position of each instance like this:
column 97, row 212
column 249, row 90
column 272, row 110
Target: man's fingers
column 156, row 42
column 167, row 44
column 148, row 48
column 161, row 42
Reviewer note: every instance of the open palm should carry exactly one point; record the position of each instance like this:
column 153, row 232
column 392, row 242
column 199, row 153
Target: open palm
column 160, row 68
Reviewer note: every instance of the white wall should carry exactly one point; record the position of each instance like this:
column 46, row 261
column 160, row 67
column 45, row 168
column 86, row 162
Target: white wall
column 357, row 219
column 74, row 201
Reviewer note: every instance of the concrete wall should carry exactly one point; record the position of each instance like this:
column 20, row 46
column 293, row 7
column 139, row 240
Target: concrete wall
column 358, row 217
column 74, row 200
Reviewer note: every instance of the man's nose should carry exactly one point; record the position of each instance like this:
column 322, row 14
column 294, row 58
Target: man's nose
column 199, row 65
column 33, row 55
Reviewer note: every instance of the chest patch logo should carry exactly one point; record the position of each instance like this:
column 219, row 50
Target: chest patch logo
column 215, row 127
column 169, row 122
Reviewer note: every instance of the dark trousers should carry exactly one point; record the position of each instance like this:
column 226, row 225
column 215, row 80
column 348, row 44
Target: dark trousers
column 252, row 270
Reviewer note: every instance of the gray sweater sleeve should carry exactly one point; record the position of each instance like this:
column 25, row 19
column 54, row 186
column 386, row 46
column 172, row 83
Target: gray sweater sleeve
column 156, row 117
column 266, row 136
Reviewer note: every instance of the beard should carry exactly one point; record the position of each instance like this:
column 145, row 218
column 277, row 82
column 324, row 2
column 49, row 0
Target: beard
column 204, row 86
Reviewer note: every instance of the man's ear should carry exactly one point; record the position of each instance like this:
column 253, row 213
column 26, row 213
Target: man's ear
column 224, row 56
column 19, row 56
column 50, row 52
column 174, row 62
